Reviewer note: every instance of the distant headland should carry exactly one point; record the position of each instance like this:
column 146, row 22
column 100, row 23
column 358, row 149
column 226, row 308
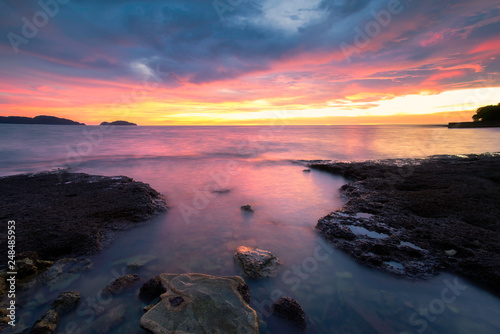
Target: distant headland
column 485, row 117
column 42, row 119
column 119, row 123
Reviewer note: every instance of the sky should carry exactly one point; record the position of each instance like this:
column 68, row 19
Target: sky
column 249, row 62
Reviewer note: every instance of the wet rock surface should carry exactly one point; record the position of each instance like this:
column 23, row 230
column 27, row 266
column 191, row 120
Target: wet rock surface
column 197, row 303
column 64, row 271
column 59, row 213
column 28, row 265
column 256, row 263
column 65, row 302
column 119, row 284
column 417, row 217
column 289, row 309
column 152, row 289
column 47, row 323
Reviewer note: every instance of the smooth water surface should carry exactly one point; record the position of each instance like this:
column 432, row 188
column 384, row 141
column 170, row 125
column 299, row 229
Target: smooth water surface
column 207, row 174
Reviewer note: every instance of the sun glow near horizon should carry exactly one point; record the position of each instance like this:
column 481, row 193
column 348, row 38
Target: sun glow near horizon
column 450, row 106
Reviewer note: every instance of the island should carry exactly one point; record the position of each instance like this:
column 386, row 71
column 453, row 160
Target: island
column 42, row 119
column 119, row 123
column 485, row 117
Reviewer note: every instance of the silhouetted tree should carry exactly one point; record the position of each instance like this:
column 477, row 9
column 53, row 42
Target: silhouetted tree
column 487, row 114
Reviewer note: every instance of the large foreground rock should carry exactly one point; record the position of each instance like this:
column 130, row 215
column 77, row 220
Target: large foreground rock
column 61, row 213
column 416, row 217
column 197, row 303
column 256, row 263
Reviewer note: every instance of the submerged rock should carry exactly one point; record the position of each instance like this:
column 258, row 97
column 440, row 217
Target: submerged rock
column 66, row 302
column 256, row 263
column 289, row 309
column 64, row 271
column 110, row 319
column 139, row 261
column 136, row 262
column 47, row 324
column 119, row 284
column 197, row 303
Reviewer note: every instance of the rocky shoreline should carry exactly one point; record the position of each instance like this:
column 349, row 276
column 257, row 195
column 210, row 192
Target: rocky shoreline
column 418, row 217
column 61, row 214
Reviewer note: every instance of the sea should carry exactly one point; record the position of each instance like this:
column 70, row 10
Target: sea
column 206, row 174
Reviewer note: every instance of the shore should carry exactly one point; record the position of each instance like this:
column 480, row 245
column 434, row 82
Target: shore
column 471, row 125
column 418, row 217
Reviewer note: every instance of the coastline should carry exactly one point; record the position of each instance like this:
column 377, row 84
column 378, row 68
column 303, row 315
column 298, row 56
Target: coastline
column 473, row 125
column 73, row 214
column 370, row 208
column 418, row 217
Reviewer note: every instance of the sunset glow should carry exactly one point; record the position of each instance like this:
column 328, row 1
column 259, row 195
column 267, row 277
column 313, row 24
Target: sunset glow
column 302, row 62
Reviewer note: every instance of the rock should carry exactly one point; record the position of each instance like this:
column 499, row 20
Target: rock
column 99, row 205
column 256, row 263
column 148, row 307
column 197, row 303
column 247, row 208
column 65, row 271
column 152, row 289
column 221, row 191
column 3, row 285
column 425, row 215
column 288, row 308
column 43, row 265
column 137, row 262
column 4, row 320
column 66, row 302
column 26, row 267
column 47, row 324
column 120, row 283
column 244, row 292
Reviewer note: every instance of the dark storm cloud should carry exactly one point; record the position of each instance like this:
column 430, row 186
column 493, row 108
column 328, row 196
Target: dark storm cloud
column 197, row 42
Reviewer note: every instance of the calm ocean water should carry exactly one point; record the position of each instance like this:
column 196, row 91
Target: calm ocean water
column 202, row 229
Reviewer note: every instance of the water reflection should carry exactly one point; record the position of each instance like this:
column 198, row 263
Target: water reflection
column 203, row 228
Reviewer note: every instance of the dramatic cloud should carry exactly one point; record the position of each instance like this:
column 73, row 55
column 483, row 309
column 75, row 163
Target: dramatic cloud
column 209, row 61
